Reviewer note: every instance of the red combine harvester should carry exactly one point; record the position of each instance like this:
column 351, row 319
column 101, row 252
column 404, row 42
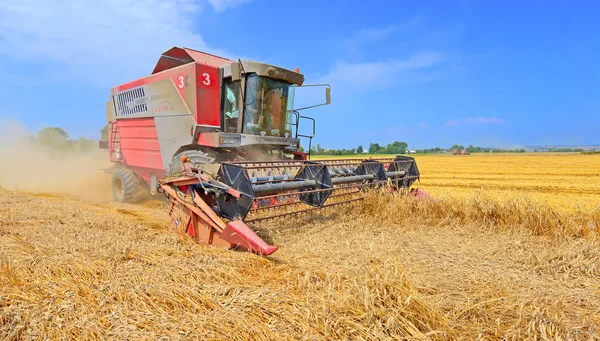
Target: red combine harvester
column 221, row 140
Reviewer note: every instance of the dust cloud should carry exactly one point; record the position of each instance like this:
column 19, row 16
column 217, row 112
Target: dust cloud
column 49, row 162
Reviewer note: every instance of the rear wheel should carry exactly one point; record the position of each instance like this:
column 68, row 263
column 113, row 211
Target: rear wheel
column 197, row 157
column 124, row 185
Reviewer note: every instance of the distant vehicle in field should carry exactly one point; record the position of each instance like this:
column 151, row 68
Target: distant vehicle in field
column 461, row 152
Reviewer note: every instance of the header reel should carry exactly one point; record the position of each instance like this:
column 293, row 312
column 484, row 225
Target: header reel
column 245, row 192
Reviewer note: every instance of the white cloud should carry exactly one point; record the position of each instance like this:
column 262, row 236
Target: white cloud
column 221, row 5
column 379, row 73
column 485, row 120
column 480, row 120
column 105, row 42
column 349, row 79
column 371, row 35
column 368, row 36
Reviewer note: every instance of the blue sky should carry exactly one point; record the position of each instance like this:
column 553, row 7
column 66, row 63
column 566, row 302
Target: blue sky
column 488, row 73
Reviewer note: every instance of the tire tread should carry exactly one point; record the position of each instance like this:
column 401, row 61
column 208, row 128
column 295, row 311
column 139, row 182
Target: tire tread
column 130, row 184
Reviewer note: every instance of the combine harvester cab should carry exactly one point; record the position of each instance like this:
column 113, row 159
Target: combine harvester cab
column 221, row 140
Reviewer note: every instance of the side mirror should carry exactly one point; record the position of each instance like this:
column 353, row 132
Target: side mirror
column 327, row 95
column 236, row 71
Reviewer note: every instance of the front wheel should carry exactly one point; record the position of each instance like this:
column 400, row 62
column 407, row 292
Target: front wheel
column 124, row 185
column 197, row 157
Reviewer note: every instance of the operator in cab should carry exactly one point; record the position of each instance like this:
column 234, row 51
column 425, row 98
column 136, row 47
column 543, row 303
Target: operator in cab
column 231, row 110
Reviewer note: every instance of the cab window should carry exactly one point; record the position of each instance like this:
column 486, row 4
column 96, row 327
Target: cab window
column 229, row 105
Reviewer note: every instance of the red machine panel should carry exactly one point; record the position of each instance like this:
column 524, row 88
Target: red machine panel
column 207, row 95
column 178, row 75
column 179, row 56
column 188, row 84
column 139, row 142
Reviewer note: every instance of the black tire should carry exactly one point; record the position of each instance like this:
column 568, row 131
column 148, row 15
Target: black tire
column 124, row 185
column 198, row 157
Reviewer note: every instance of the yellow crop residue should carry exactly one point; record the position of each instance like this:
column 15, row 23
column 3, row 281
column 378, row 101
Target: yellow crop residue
column 479, row 266
column 570, row 182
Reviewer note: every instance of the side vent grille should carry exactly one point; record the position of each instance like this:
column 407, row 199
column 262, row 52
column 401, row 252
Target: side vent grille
column 131, row 102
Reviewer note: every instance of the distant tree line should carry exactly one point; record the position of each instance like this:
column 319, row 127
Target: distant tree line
column 474, row 149
column 395, row 147
column 566, row 150
column 429, row 151
column 104, row 133
column 57, row 142
column 318, row 150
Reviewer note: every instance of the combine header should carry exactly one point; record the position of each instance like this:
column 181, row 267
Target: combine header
column 221, row 140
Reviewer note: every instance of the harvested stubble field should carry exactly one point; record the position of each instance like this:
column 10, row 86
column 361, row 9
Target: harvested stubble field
column 482, row 265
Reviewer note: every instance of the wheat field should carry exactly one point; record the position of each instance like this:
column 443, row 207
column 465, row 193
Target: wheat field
column 487, row 261
column 568, row 181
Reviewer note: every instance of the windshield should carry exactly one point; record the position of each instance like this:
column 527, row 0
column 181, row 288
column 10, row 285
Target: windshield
column 268, row 107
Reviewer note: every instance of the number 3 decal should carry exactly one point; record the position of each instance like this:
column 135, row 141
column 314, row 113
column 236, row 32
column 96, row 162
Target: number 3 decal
column 206, row 80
